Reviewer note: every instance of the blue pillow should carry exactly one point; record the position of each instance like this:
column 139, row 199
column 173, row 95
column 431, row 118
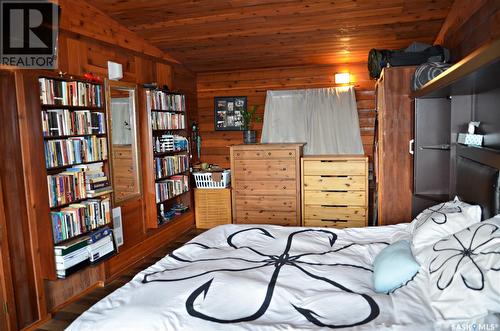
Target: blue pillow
column 393, row 267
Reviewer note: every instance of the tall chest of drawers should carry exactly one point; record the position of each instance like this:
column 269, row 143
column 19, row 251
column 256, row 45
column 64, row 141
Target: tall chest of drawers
column 334, row 191
column 266, row 183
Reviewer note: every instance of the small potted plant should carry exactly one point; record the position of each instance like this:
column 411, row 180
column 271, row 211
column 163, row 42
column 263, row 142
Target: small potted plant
column 249, row 117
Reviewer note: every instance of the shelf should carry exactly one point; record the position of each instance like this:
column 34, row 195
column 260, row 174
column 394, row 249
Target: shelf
column 167, row 177
column 434, row 197
column 169, row 111
column 476, row 73
column 83, row 234
column 100, row 109
column 170, row 199
column 484, row 155
column 443, row 147
column 155, row 154
column 79, row 200
column 74, row 164
column 164, row 130
column 74, row 136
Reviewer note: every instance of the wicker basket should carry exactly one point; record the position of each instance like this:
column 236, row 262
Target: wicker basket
column 204, row 180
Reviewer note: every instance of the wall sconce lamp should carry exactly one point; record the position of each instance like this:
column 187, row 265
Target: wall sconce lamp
column 342, row 78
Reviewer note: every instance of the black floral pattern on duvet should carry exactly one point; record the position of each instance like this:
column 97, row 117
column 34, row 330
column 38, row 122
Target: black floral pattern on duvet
column 261, row 260
column 452, row 253
column 438, row 214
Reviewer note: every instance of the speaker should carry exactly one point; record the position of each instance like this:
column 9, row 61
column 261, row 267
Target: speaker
column 117, row 226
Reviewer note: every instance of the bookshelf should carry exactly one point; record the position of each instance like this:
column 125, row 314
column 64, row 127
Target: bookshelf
column 169, row 154
column 74, row 129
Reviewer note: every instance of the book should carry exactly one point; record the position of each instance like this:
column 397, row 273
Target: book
column 69, row 93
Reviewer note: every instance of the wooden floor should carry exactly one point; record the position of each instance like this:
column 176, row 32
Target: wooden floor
column 68, row 314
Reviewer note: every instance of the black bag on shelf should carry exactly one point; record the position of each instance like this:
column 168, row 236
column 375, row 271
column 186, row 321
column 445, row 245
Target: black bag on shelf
column 378, row 59
column 426, row 72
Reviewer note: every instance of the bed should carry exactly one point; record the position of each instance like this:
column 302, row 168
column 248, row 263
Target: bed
column 262, row 277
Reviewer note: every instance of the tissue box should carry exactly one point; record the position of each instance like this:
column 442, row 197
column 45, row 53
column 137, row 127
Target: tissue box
column 470, row 139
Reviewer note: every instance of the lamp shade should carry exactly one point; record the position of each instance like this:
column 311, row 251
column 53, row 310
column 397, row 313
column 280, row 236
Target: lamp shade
column 342, row 78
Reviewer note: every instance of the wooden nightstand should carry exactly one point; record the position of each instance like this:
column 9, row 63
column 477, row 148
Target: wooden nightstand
column 334, row 191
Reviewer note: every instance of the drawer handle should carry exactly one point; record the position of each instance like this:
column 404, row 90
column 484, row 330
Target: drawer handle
column 339, row 191
column 334, row 221
column 334, row 206
column 336, row 176
column 333, row 161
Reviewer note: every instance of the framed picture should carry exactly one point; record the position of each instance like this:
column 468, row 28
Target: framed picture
column 228, row 113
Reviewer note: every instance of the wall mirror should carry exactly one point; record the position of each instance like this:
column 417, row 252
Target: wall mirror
column 122, row 105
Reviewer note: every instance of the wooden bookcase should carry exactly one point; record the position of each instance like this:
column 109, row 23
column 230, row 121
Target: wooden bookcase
column 167, row 142
column 75, row 104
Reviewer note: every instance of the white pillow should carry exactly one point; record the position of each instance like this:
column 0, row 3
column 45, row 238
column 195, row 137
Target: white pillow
column 439, row 221
column 464, row 272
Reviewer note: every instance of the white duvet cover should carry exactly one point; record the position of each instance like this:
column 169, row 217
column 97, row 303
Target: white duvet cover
column 260, row 277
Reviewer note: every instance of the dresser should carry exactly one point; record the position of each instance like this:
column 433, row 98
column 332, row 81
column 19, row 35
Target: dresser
column 266, row 183
column 335, row 191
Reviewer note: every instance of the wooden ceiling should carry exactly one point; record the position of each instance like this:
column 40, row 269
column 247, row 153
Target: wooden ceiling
column 215, row 35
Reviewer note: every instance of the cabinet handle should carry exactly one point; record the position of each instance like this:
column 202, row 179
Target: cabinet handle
column 334, row 206
column 410, row 146
column 334, row 221
column 333, row 161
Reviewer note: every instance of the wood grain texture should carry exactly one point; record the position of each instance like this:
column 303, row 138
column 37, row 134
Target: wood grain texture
column 22, row 270
column 470, row 25
column 395, row 164
column 255, row 83
column 261, row 171
column 210, row 35
column 212, row 207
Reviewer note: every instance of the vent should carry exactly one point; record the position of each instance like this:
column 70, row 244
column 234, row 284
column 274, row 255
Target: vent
column 117, row 226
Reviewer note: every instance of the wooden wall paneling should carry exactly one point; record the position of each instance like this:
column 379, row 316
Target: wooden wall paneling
column 255, row 83
column 84, row 19
column 8, row 320
column 61, row 292
column 16, row 207
column 163, row 74
column 469, row 25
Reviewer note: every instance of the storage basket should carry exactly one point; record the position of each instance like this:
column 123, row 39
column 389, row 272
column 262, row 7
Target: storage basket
column 204, row 180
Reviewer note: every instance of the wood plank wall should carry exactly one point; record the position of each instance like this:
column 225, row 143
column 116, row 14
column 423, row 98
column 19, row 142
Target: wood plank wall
column 87, row 40
column 255, row 83
column 470, row 25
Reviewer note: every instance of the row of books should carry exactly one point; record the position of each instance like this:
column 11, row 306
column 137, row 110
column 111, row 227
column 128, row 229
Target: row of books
column 169, row 143
column 76, row 183
column 79, row 218
column 83, row 251
column 160, row 100
column 70, row 93
column 63, row 152
column 172, row 187
column 170, row 165
column 63, row 122
column 167, row 121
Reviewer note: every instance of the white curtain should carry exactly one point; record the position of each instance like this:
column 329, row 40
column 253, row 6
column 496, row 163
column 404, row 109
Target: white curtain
column 326, row 119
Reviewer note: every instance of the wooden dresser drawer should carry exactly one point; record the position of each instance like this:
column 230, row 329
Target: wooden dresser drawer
column 265, row 154
column 318, row 183
column 334, row 167
column 265, row 187
column 337, row 213
column 333, row 223
column 266, row 217
column 264, row 169
column 347, row 198
column 266, row 202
